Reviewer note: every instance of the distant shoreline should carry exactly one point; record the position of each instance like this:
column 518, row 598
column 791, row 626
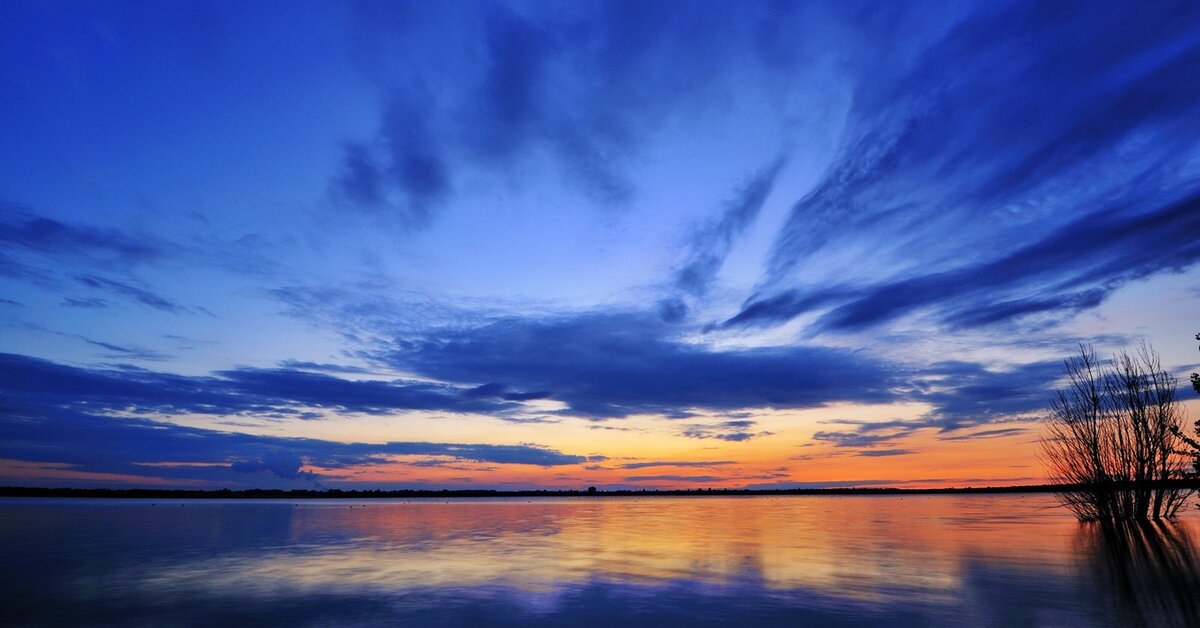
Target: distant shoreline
column 18, row 491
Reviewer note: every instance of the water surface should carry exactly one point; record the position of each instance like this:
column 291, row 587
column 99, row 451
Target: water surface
column 974, row 560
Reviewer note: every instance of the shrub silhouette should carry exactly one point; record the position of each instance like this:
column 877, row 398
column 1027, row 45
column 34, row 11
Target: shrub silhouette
column 1114, row 435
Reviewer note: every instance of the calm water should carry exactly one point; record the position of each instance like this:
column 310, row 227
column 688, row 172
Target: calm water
column 917, row 560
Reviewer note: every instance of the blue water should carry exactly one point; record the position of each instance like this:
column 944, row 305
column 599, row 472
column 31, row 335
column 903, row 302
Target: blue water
column 977, row 560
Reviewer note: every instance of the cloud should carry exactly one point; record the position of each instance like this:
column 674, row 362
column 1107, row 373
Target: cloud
column 609, row 365
column 660, row 463
column 21, row 228
column 868, row 433
column 879, row 453
column 280, row 463
column 1034, row 168
column 135, row 293
column 252, row 392
column 701, row 479
column 84, row 303
column 404, row 173
column 963, row 396
column 56, row 414
column 710, row 244
column 301, row 365
column 996, row 433
column 576, row 89
column 734, row 431
column 122, row 351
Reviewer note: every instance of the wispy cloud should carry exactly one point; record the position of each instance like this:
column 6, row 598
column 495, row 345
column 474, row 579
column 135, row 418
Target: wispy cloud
column 21, row 227
column 710, row 243
column 560, row 89
column 663, row 463
column 881, row 453
column 264, row 392
column 695, row 479
column 1007, row 173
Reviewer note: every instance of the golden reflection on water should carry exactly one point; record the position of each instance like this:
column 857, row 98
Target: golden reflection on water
column 859, row 547
column 947, row 560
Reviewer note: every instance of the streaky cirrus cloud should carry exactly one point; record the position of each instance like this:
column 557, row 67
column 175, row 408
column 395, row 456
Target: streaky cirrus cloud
column 21, row 227
column 1028, row 162
column 1071, row 269
column 272, row 393
column 711, row 242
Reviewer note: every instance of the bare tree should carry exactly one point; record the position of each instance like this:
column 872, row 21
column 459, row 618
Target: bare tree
column 1192, row 442
column 1196, row 376
column 1114, row 435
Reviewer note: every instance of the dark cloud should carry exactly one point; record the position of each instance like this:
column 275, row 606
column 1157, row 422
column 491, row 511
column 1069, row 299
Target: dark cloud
column 1036, row 166
column 283, row 464
column 691, row 463
column 84, row 303
column 124, row 352
column 880, row 453
column 500, row 391
column 21, row 228
column 734, row 431
column 301, row 365
column 403, row 172
column 53, row 254
column 361, row 180
column 868, row 433
column 262, row 392
column 615, row 364
column 1108, row 247
column 996, row 433
column 134, row 293
column 583, row 86
column 964, row 396
column 35, row 248
column 1073, row 269
column 703, row 479
column 56, row 414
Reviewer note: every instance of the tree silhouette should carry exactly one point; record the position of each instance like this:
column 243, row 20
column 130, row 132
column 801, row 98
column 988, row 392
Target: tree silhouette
column 1114, row 435
column 1196, row 376
column 1192, row 442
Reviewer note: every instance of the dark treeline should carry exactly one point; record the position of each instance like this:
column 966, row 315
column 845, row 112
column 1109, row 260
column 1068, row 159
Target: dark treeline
column 138, row 493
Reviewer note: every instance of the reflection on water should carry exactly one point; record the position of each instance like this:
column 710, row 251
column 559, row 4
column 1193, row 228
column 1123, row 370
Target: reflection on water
column 882, row 560
column 1149, row 570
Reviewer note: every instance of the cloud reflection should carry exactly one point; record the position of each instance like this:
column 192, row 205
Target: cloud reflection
column 945, row 560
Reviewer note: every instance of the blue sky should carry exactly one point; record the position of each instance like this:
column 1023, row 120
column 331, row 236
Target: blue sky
column 502, row 244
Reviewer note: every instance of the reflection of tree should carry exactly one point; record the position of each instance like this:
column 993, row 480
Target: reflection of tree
column 1149, row 571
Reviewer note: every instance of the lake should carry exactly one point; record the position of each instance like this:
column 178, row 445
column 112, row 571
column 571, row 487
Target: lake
column 965, row 560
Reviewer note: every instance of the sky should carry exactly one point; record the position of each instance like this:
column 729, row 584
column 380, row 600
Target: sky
column 557, row 245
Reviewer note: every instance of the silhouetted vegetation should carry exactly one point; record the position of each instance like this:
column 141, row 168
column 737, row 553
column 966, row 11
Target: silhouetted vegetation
column 1196, row 376
column 1192, row 442
column 1114, row 433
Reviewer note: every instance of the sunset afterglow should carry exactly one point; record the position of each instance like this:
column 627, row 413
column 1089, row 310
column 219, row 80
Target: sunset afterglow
column 654, row 245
